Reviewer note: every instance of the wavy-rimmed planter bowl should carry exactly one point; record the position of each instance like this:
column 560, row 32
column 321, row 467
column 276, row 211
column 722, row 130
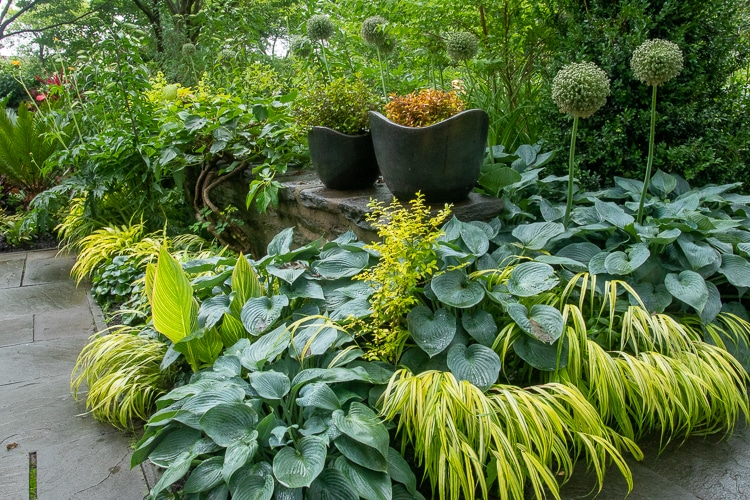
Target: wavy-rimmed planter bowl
column 442, row 161
column 343, row 162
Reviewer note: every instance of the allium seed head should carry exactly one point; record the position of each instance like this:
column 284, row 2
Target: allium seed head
column 580, row 89
column 319, row 27
column 374, row 31
column 656, row 61
column 461, row 46
column 188, row 49
column 300, row 46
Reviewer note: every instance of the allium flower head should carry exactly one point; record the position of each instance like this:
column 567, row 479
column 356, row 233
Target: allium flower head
column 188, row 49
column 300, row 46
column 169, row 92
column 227, row 54
column 656, row 61
column 374, row 31
column 580, row 89
column 319, row 27
column 461, row 46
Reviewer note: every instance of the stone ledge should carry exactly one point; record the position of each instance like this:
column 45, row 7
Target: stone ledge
column 318, row 212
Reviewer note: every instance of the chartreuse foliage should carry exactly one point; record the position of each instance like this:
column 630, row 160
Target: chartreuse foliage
column 123, row 373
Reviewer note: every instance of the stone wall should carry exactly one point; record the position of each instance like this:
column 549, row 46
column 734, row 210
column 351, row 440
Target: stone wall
column 317, row 212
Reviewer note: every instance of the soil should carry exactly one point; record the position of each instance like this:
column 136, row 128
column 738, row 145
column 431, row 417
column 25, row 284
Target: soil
column 42, row 242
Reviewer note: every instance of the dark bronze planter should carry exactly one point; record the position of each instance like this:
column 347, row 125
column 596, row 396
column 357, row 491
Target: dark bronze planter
column 442, row 160
column 343, row 162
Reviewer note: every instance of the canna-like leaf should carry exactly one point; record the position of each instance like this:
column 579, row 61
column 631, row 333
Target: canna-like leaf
column 174, row 310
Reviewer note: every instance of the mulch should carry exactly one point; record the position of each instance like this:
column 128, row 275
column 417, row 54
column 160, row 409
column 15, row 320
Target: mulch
column 43, row 242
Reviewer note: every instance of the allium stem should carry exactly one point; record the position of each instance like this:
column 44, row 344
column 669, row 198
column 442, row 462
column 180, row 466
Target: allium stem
column 650, row 162
column 571, row 169
column 325, row 60
column 382, row 73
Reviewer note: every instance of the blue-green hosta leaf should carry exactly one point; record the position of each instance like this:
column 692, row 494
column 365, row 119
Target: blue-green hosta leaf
column 270, row 384
column 699, row 254
column 480, row 325
column 656, row 299
column 544, row 323
column 550, row 213
column 736, row 269
column 632, row 186
column 318, row 395
column 259, row 314
column 368, row 484
column 331, row 484
column 237, row 455
column 227, row 365
column 689, row 287
column 490, row 228
column 432, row 332
column 662, row 183
column 253, row 487
column 455, row 289
column 597, row 263
column 343, row 264
column 581, row 252
column 174, row 472
column 299, row 466
column 361, row 454
column 475, row 239
column 212, row 310
column 229, row 423
column 545, row 357
column 713, row 304
column 613, row 213
column 288, row 272
column 176, row 442
column 284, row 493
column 400, row 471
column 476, row 364
column 663, row 238
column 281, row 243
column 304, row 288
column 531, row 278
column 195, row 407
column 355, row 308
column 535, row 236
column 363, row 425
column 315, row 339
column 571, row 264
column 621, row 263
column 266, row 348
column 205, row 476
column 496, row 177
column 329, row 375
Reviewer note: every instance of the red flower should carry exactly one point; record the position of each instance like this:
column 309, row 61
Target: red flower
column 41, row 97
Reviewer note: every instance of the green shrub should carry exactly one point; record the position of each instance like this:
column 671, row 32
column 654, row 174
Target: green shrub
column 703, row 123
column 341, row 105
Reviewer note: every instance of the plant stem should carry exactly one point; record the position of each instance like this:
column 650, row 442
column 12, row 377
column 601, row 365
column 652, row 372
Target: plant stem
column 325, row 60
column 569, row 205
column 650, row 162
column 382, row 74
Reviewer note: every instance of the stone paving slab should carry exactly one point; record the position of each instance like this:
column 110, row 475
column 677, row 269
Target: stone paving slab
column 42, row 267
column 42, row 298
column 18, row 330
column 11, row 271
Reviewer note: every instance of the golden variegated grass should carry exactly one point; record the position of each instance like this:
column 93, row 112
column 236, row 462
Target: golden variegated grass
column 122, row 371
column 462, row 436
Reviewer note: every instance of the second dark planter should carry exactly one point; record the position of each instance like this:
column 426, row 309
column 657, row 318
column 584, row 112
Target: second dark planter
column 343, row 162
column 442, row 161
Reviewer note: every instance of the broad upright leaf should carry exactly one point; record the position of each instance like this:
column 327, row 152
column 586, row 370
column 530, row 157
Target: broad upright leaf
column 480, row 325
column 299, row 466
column 662, row 183
column 245, row 284
column 622, row 263
column 270, row 384
column 361, row 454
column 368, row 484
column 432, row 332
column 612, row 213
column 736, row 269
column 174, row 310
column 205, row 476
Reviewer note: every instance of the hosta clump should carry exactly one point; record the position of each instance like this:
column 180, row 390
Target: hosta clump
column 656, row 61
column 580, row 89
column 116, row 281
column 320, row 27
column 461, row 46
column 374, row 32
